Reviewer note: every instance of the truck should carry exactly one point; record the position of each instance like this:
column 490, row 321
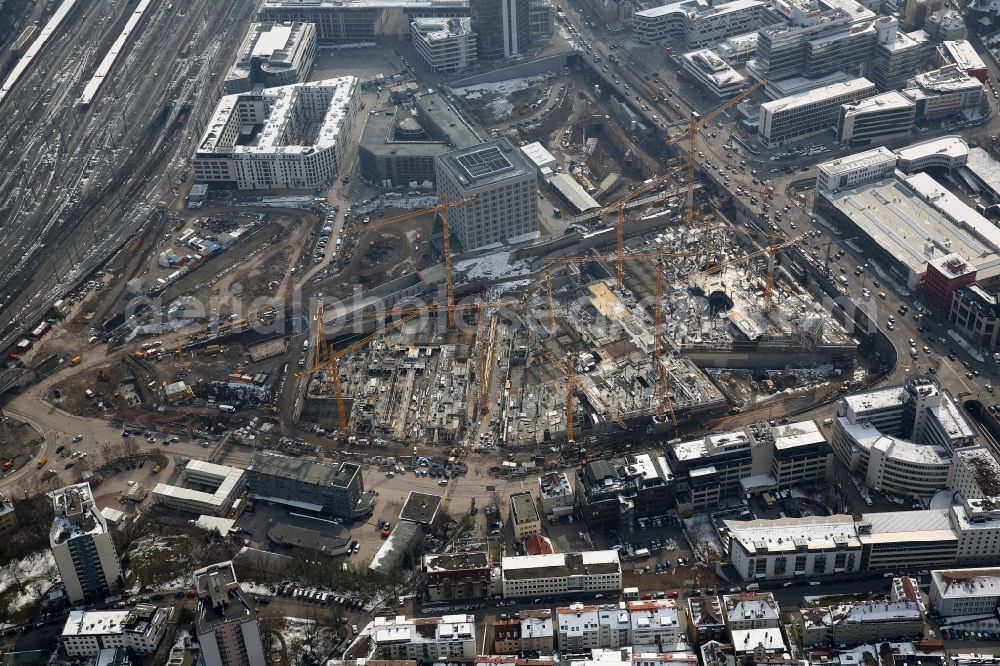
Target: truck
column 75, row 360
column 42, row 461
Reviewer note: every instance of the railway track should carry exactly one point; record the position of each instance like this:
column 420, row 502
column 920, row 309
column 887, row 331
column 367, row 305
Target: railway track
column 54, row 142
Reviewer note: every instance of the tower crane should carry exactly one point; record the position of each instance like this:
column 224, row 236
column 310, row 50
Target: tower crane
column 618, row 207
column 441, row 209
column 694, row 120
column 328, row 359
column 582, row 259
column 552, row 302
column 330, row 362
column 661, row 372
column 771, row 252
column 570, row 381
column 663, row 393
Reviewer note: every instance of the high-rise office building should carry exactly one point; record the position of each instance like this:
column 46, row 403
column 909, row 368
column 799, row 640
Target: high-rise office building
column 898, row 55
column 502, row 27
column 505, row 187
column 798, row 116
column 226, row 624
column 82, row 546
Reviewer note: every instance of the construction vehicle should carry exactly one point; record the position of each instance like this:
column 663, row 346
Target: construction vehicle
column 42, row 461
column 75, row 360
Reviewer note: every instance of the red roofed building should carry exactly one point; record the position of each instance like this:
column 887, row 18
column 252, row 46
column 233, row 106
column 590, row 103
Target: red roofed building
column 537, row 545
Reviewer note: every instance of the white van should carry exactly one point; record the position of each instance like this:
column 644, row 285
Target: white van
column 752, row 587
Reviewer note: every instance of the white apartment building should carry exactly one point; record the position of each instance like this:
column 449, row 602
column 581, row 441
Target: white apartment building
column 901, row 438
column 285, row 137
column 653, row 622
column 750, row 610
column 967, row 533
column 82, row 546
column 860, row 622
column 974, row 473
column 140, row 630
column 504, row 186
column 556, row 493
column 450, row 638
column 587, row 627
column 445, row 44
column 976, row 522
column 582, row 627
column 957, row 592
column 794, row 547
column 944, row 152
column 561, row 573
column 792, row 118
column 853, row 170
column 694, row 24
column 229, row 483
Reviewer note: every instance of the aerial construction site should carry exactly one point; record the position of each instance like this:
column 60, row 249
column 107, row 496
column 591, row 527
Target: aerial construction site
column 514, row 264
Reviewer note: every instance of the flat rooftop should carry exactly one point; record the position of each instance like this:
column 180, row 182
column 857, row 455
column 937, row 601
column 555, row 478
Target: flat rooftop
column 712, row 445
column 714, row 68
column 571, row 190
column 456, row 561
column 556, row 565
column 862, row 160
column 985, row 169
column 958, row 212
column 868, row 437
column 907, row 526
column 884, row 102
column 953, row 147
column 329, row 101
column 523, row 507
column 420, row 508
column 816, row 95
column 95, row 623
column 962, row 53
column 797, row 435
column 224, row 478
column 952, row 265
column 490, row 162
column 899, row 220
column 698, row 8
column 435, row 29
column 273, row 46
column 795, row 85
column 449, row 125
column 962, row 583
column 785, row 535
column 948, row 79
column 316, row 534
column 358, row 5
column 303, row 470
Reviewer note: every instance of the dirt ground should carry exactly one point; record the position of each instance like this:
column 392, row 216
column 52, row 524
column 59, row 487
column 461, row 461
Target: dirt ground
column 18, row 443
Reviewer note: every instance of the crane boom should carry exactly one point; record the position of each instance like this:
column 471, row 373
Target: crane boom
column 570, row 380
column 441, row 209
